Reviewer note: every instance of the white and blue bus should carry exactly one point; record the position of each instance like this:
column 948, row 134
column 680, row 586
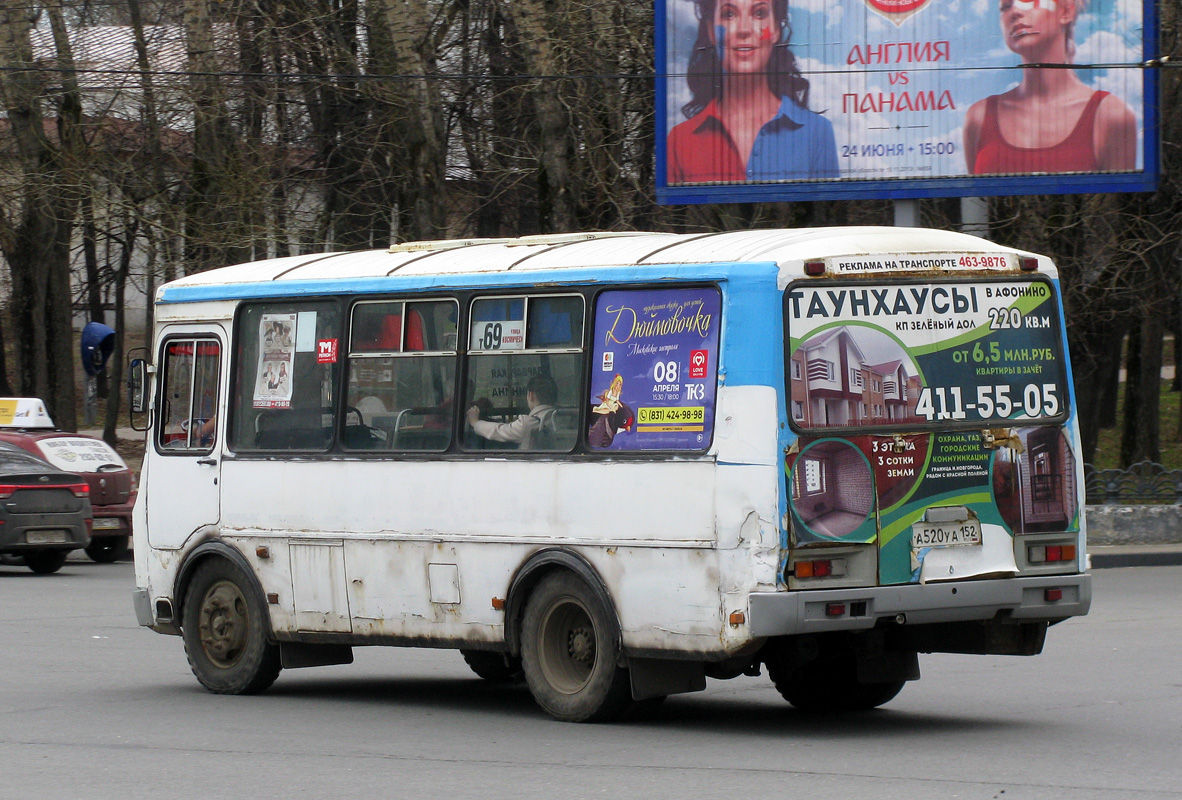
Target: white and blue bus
column 615, row 465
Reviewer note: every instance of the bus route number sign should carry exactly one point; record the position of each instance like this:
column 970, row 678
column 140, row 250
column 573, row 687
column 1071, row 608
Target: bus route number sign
column 498, row 335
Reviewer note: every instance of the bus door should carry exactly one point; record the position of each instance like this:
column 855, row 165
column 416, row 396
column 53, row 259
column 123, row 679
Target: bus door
column 186, row 446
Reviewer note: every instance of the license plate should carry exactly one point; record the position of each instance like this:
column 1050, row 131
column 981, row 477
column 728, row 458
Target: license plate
column 47, row 537
column 106, row 524
column 945, row 534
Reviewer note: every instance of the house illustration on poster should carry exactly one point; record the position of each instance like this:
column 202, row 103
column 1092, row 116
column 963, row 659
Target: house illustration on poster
column 834, row 386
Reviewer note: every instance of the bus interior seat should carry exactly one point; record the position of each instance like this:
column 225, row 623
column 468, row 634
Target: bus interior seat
column 292, row 429
column 421, row 429
column 559, row 433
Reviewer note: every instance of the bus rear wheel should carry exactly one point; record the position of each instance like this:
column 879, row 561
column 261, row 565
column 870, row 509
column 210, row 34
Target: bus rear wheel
column 225, row 632
column 568, row 653
column 831, row 684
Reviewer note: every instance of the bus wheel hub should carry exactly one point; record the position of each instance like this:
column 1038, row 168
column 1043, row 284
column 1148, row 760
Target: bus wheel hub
column 581, row 645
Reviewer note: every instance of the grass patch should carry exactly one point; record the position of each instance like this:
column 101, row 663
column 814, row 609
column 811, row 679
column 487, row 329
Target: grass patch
column 1108, row 442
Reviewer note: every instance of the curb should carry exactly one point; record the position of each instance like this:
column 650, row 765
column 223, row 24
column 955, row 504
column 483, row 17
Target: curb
column 1168, row 555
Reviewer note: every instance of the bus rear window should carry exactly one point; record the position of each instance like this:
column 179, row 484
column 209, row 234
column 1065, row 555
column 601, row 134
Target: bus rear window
column 924, row 355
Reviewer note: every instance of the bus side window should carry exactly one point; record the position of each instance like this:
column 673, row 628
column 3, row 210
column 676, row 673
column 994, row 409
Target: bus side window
column 400, row 394
column 514, row 343
column 189, row 394
column 285, row 377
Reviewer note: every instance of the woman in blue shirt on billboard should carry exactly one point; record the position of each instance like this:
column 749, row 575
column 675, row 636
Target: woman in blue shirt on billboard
column 748, row 119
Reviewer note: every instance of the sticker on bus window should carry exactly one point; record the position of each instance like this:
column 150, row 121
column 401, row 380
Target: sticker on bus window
column 326, row 351
column 658, row 353
column 507, row 334
column 277, row 338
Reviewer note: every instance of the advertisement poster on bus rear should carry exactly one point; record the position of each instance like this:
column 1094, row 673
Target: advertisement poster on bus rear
column 654, row 370
column 931, row 420
column 942, row 354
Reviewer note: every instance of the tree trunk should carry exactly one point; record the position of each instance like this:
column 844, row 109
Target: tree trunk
column 416, row 112
column 528, row 17
column 1139, row 441
column 36, row 238
column 5, row 385
column 215, row 228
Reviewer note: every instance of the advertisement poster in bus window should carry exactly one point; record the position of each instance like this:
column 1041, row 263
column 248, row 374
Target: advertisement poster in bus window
column 277, row 343
column 654, row 369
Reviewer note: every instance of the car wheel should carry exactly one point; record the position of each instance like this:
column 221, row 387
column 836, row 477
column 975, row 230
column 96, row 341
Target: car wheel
column 225, row 631
column 107, row 549
column 568, row 652
column 10, row 560
column 45, row 562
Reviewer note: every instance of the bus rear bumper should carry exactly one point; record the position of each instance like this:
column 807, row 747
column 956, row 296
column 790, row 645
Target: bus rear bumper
column 1045, row 598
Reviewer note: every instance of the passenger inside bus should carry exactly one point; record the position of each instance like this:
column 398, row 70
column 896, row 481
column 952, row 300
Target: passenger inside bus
column 534, row 430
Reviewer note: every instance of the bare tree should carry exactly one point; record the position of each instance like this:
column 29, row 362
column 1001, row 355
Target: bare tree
column 36, row 221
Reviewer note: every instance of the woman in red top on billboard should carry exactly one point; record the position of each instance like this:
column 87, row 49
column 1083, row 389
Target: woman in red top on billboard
column 1052, row 121
column 748, row 119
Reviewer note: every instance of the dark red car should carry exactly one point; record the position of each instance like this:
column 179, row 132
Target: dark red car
column 25, row 423
column 44, row 513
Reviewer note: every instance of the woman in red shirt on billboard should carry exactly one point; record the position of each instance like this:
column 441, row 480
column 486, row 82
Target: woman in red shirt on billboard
column 1052, row 121
column 748, row 118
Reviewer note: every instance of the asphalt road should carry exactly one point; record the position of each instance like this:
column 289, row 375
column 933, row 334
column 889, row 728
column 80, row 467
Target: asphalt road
column 91, row 706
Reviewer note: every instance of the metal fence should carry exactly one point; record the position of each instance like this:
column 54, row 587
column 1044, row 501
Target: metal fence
column 1145, row 482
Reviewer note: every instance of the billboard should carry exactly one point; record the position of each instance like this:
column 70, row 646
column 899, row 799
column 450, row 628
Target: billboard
column 842, row 99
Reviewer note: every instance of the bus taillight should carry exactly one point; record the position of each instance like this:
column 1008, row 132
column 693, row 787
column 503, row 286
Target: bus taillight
column 1045, row 554
column 819, row 568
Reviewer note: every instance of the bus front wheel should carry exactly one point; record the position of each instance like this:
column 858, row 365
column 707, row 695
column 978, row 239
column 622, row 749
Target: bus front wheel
column 568, row 652
column 225, row 631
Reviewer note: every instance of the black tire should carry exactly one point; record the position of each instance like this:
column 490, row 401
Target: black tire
column 10, row 560
column 225, row 631
column 568, row 652
column 494, row 667
column 45, row 562
column 107, row 549
column 830, row 684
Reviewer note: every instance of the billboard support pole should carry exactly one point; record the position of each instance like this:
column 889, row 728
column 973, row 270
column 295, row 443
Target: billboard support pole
column 907, row 213
column 974, row 216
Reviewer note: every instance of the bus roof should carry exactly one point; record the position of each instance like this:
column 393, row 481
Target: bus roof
column 454, row 262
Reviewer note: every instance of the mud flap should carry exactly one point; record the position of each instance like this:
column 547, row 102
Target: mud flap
column 658, row 677
column 297, row 654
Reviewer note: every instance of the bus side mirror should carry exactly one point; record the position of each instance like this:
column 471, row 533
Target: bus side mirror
column 137, row 387
column 137, row 382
